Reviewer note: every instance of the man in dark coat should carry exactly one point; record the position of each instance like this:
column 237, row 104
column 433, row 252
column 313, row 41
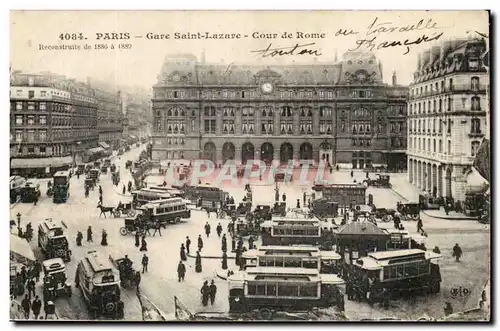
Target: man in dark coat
column 89, row 234
column 79, row 238
column 200, row 243
column 30, row 287
column 205, row 293
column 124, row 190
column 36, row 306
column 284, row 197
column 145, row 262
column 304, row 198
column 137, row 238
column 219, row 229
column 37, row 268
column 207, row 229
column 183, row 253
column 157, row 229
column 420, row 225
column 197, row 266
column 188, row 244
column 137, row 280
column 144, row 245
column 224, row 243
column 26, row 304
column 224, row 261
column 181, row 271
column 298, row 203
column 250, row 242
column 104, row 238
column 213, row 292
column 457, row 252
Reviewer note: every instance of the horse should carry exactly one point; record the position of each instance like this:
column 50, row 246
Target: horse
column 105, row 210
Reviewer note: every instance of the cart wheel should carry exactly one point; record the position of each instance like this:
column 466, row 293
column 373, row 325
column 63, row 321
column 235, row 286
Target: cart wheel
column 131, row 213
column 116, row 213
column 123, row 231
column 177, row 220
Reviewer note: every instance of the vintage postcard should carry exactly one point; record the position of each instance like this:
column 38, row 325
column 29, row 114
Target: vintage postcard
column 250, row 165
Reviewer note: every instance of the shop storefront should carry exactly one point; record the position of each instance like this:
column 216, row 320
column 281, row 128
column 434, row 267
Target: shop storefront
column 39, row 167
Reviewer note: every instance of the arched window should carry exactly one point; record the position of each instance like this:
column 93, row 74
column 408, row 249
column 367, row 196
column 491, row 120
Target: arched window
column 474, row 83
column 169, row 112
column 475, row 104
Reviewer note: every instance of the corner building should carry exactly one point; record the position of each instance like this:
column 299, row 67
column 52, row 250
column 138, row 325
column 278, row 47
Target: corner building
column 447, row 116
column 340, row 112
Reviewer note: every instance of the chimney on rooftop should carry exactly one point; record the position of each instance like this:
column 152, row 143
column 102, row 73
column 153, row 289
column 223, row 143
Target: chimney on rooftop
column 394, row 79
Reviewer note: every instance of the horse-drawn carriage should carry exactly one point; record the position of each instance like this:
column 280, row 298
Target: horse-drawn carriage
column 94, row 175
column 409, row 210
column 262, row 212
column 128, row 276
column 80, row 170
column 89, row 183
column 246, row 228
column 133, row 224
column 124, row 209
column 279, row 209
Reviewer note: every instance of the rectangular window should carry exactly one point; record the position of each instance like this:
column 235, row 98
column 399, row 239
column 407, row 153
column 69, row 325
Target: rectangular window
column 31, row 135
column 42, row 149
column 19, row 105
column 31, row 94
column 19, row 136
column 31, row 106
column 42, row 106
column 43, row 135
column 19, row 120
column 31, row 120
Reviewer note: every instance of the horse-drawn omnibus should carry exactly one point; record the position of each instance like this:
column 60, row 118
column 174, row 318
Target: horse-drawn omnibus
column 400, row 271
column 287, row 288
column 303, row 231
column 308, row 257
column 170, row 210
column 147, row 195
column 208, row 195
column 61, row 186
column 346, row 195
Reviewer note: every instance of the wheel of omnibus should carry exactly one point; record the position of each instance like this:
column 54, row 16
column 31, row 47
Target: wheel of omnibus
column 222, row 214
column 415, row 216
column 116, row 213
column 123, row 231
column 265, row 314
column 131, row 213
column 177, row 220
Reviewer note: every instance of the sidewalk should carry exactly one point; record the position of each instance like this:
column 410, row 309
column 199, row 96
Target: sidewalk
column 452, row 215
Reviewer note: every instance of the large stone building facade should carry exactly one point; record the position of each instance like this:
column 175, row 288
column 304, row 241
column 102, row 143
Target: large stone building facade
column 447, row 116
column 51, row 119
column 342, row 112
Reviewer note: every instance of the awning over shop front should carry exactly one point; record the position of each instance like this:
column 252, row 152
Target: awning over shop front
column 20, row 250
column 104, row 145
column 95, row 150
column 41, row 162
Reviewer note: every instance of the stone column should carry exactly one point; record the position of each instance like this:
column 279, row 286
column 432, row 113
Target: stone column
column 410, row 169
column 440, row 181
column 429, row 177
column 417, row 175
column 434, row 179
column 237, row 155
column 423, row 186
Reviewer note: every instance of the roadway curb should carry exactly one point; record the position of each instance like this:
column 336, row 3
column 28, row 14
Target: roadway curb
column 451, row 218
column 211, row 257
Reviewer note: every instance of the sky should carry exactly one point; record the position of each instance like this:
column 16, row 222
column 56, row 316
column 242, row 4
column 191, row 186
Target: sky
column 140, row 64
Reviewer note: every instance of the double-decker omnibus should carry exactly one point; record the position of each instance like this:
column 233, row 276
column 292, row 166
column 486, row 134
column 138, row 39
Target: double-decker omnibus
column 344, row 194
column 61, row 186
column 170, row 190
column 286, row 288
column 308, row 257
column 405, row 270
column 301, row 231
column 147, row 195
column 210, row 196
column 170, row 210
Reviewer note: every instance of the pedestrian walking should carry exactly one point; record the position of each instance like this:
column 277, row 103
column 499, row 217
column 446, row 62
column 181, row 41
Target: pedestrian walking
column 181, row 271
column 457, row 252
column 124, row 189
column 224, row 261
column 284, row 197
column 188, row 244
column 183, row 253
column 304, row 197
column 212, row 292
column 145, row 262
column 250, row 242
column 18, row 220
column 224, row 243
column 104, row 238
column 37, row 268
column 352, row 173
column 30, row 287
column 157, row 228
column 137, row 237
column 207, row 229
column 197, row 266
column 100, row 190
column 200, row 243
column 298, row 203
column 36, row 306
column 219, row 229
column 100, row 199
column 420, row 225
column 35, row 200
column 79, row 238
column 436, row 250
column 129, row 186
column 26, row 304
column 144, row 245
column 205, row 293
column 137, row 280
